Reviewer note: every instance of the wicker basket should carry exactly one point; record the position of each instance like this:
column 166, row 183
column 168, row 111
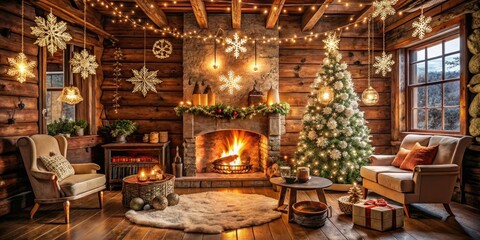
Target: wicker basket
column 347, row 206
column 146, row 190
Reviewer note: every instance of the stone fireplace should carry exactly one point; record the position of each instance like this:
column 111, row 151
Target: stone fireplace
column 203, row 139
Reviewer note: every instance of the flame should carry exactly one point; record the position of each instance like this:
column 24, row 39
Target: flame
column 235, row 146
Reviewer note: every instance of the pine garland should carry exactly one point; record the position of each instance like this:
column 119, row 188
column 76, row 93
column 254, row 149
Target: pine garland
column 224, row 111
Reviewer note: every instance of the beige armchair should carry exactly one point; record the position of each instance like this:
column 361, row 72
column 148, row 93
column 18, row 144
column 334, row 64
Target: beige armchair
column 426, row 183
column 45, row 185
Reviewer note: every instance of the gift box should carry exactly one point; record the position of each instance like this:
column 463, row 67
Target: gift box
column 378, row 215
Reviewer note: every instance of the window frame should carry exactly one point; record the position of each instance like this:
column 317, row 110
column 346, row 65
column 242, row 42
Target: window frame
column 409, row 87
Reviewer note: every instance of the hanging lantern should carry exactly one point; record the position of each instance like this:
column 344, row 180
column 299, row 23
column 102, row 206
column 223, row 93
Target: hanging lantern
column 325, row 95
column 70, row 95
column 370, row 96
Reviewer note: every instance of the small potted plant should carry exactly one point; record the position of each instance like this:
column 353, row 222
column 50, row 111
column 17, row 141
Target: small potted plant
column 79, row 127
column 66, row 127
column 119, row 129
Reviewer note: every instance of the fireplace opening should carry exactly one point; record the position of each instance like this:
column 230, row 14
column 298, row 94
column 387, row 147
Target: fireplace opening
column 231, row 152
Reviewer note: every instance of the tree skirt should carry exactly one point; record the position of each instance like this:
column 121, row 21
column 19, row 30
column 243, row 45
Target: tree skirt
column 210, row 212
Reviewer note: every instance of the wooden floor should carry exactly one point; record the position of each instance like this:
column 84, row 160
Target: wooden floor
column 87, row 222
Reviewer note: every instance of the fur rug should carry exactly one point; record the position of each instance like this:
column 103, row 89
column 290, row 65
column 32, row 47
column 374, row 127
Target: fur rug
column 210, row 212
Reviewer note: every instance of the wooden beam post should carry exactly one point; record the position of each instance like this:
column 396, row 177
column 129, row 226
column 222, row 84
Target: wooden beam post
column 72, row 15
column 274, row 13
column 200, row 13
column 236, row 14
column 153, row 11
column 311, row 17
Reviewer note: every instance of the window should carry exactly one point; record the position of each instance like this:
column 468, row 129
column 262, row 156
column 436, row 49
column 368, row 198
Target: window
column 55, row 82
column 434, row 86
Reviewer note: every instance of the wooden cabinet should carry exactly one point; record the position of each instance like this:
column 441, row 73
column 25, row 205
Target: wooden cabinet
column 125, row 159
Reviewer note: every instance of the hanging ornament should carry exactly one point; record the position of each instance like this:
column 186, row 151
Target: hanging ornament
column 383, row 8
column 70, row 95
column 331, row 42
column 117, row 73
column 422, row 26
column 51, row 33
column 83, row 62
column 384, row 63
column 370, row 95
column 144, row 80
column 325, row 95
column 231, row 82
column 162, row 49
column 21, row 68
column 236, row 45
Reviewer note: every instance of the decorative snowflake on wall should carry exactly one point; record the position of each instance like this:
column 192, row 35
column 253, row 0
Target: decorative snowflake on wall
column 83, row 63
column 144, row 81
column 21, row 67
column 231, row 82
column 331, row 42
column 422, row 26
column 383, row 64
column 383, row 8
column 51, row 34
column 162, row 49
column 236, row 45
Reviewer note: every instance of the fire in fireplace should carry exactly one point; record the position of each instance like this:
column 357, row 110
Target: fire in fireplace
column 232, row 159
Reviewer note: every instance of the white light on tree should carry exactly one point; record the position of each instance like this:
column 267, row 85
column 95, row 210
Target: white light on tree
column 325, row 95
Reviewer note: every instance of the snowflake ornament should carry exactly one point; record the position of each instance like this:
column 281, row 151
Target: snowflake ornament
column 383, row 8
column 21, row 67
column 422, row 26
column 231, row 82
column 51, row 33
column 83, row 63
column 383, row 64
column 236, row 45
column 144, row 81
column 162, row 49
column 331, row 42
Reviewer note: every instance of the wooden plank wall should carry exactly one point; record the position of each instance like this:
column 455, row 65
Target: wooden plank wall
column 299, row 64
column 155, row 111
column 13, row 178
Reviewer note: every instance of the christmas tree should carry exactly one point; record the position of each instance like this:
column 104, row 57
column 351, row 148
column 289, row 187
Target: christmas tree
column 335, row 140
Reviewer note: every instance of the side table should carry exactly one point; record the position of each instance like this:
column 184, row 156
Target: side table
column 315, row 183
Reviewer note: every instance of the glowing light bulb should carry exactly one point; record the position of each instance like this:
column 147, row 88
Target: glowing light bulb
column 21, row 67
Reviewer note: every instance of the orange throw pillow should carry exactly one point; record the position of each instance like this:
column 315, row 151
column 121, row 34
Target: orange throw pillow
column 419, row 155
column 401, row 154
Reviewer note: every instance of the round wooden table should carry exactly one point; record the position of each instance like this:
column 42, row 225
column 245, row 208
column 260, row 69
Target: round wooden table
column 146, row 190
column 315, row 183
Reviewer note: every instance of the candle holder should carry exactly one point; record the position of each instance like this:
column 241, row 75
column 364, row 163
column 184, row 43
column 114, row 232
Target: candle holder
column 303, row 174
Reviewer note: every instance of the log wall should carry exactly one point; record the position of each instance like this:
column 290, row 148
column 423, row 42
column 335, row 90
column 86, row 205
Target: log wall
column 13, row 180
column 399, row 36
column 299, row 64
column 155, row 111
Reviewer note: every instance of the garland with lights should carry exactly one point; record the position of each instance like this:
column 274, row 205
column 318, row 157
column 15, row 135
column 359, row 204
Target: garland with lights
column 224, row 111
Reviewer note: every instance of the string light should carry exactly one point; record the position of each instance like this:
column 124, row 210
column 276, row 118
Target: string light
column 127, row 17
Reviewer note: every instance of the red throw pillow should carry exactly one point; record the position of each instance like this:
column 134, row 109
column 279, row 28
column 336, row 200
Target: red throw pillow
column 401, row 154
column 419, row 155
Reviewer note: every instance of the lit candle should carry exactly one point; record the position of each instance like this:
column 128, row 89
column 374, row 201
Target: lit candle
column 142, row 177
column 181, row 103
column 189, row 103
column 153, row 175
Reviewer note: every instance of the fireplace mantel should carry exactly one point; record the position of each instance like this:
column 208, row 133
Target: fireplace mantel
column 271, row 126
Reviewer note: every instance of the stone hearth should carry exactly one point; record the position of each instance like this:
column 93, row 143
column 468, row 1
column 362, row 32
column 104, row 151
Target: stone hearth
column 270, row 127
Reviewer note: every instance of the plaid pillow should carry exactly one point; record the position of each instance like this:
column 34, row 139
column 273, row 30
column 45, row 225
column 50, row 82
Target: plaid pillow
column 59, row 165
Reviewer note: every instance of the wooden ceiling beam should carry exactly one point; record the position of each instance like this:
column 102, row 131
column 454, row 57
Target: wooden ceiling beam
column 364, row 14
column 274, row 13
column 153, row 11
column 312, row 16
column 200, row 13
column 236, row 14
column 70, row 14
